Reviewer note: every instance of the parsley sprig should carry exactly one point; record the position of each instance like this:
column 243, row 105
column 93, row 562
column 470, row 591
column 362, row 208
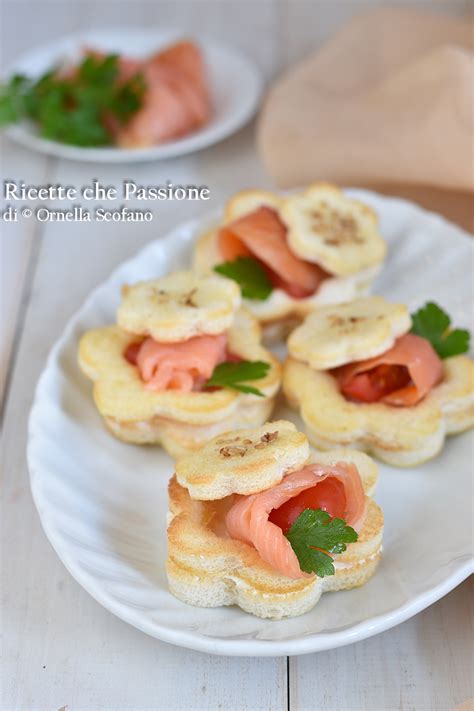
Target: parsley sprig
column 314, row 535
column 71, row 108
column 249, row 275
column 235, row 375
column 432, row 323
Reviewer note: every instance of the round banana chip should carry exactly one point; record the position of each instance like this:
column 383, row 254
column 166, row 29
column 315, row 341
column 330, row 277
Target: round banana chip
column 326, row 227
column 339, row 334
column 179, row 306
column 246, row 201
column 243, row 461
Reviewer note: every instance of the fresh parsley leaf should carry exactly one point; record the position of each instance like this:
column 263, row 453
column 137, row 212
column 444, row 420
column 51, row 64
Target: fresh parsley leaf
column 76, row 108
column 235, row 375
column 314, row 535
column 128, row 98
column 432, row 323
column 249, row 275
column 96, row 71
column 13, row 99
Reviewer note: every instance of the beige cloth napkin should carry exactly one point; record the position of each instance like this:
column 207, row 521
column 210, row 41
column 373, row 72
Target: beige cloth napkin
column 387, row 103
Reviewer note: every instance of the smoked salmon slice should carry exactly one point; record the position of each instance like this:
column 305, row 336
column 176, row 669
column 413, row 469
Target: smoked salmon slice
column 261, row 234
column 177, row 97
column 176, row 100
column 162, row 116
column 248, row 519
column 181, row 366
column 185, row 58
column 413, row 369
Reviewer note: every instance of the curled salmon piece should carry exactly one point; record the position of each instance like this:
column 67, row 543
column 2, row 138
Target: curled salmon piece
column 401, row 376
column 261, row 234
column 247, row 520
column 181, row 366
column 176, row 101
column 162, row 116
column 185, row 58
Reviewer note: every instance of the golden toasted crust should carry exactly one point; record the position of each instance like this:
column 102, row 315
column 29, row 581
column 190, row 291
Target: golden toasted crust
column 179, row 438
column 280, row 305
column 455, row 394
column 175, row 419
column 246, row 201
column 402, row 436
column 208, row 569
column 179, row 306
column 326, row 227
column 339, row 334
column 243, row 462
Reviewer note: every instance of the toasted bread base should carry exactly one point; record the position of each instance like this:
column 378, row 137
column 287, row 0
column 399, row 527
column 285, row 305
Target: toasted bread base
column 400, row 436
column 179, row 421
column 178, row 438
column 206, row 568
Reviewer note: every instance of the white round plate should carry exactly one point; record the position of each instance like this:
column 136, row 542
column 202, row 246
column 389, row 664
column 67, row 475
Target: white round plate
column 236, row 86
column 103, row 503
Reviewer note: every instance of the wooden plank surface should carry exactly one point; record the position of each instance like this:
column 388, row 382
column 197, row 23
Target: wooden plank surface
column 424, row 664
column 61, row 649
column 18, row 250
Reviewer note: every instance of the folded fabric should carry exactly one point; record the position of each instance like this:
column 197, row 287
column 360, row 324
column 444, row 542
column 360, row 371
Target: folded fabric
column 388, row 100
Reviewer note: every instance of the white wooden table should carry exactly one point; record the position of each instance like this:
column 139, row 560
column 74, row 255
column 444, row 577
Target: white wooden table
column 61, row 649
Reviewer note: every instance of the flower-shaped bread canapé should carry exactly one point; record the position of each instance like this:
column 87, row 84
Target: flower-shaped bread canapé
column 183, row 363
column 360, row 377
column 293, row 254
column 260, row 521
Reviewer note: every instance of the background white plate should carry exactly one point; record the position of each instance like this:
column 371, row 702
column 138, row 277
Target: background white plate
column 236, row 85
column 103, row 503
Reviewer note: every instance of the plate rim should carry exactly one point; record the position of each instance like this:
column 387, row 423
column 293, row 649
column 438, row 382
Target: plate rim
column 306, row 644
column 172, row 149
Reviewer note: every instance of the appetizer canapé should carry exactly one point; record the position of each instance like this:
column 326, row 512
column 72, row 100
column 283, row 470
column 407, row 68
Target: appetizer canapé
column 261, row 522
column 183, row 364
column 368, row 374
column 290, row 255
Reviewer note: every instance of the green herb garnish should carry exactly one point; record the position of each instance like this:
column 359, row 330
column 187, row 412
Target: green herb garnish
column 313, row 535
column 74, row 108
column 432, row 323
column 234, row 375
column 249, row 275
